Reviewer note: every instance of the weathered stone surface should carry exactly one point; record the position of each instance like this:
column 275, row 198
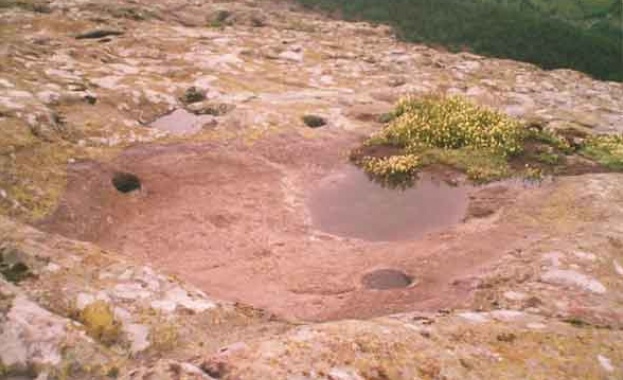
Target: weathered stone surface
column 407, row 349
column 573, row 278
column 532, row 290
column 43, row 321
column 31, row 335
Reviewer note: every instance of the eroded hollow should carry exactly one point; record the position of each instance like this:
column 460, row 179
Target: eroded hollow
column 126, row 182
column 384, row 279
column 220, row 221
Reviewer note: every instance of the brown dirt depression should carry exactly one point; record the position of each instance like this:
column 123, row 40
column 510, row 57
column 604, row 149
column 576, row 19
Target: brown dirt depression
column 258, row 228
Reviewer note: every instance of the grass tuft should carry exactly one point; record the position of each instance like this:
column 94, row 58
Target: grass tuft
column 606, row 150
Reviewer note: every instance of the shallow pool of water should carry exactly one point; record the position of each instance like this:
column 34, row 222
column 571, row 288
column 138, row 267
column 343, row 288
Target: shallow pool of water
column 348, row 204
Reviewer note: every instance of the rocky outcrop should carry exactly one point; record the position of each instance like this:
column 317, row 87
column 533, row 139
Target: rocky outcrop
column 88, row 313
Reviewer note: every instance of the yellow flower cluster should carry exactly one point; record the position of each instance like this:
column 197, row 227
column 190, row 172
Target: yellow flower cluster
column 451, row 123
column 391, row 166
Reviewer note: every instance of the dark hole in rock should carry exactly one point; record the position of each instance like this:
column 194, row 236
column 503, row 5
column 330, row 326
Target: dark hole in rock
column 90, row 99
column 209, row 108
column 21, row 375
column 99, row 34
column 215, row 368
column 258, row 21
column 384, row 279
column 222, row 15
column 314, row 121
column 126, row 182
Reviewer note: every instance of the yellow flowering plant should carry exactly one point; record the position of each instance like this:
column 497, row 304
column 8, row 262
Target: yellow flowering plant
column 483, row 143
column 420, row 126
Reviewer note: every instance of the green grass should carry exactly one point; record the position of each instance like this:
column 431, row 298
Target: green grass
column 606, row 150
column 584, row 35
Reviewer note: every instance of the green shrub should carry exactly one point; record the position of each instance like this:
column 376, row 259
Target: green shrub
column 193, row 95
column 545, row 34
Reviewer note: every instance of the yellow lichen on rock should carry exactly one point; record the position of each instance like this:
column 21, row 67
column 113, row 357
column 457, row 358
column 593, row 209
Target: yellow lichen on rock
column 99, row 321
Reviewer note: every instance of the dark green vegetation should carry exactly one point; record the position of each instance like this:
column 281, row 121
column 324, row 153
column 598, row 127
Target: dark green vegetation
column 584, row 35
column 484, row 144
column 193, row 95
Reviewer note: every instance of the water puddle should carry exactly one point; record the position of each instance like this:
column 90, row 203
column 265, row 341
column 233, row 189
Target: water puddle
column 349, row 204
column 385, row 279
column 182, row 122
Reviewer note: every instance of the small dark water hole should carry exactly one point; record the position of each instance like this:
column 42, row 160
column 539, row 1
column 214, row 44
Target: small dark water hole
column 314, row 121
column 126, row 182
column 384, row 279
column 349, row 204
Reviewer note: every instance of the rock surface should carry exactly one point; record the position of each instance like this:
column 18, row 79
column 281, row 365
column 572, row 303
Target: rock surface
column 529, row 286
